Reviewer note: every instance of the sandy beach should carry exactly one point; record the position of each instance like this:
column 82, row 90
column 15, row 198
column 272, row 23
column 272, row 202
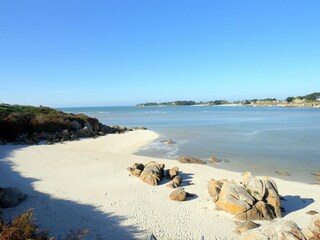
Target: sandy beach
column 85, row 185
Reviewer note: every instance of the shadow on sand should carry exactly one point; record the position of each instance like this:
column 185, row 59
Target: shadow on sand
column 293, row 203
column 57, row 215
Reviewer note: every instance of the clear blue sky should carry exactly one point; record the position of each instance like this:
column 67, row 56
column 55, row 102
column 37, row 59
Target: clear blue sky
column 123, row 52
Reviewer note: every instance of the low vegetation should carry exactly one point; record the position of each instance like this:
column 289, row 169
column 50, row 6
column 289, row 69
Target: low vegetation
column 24, row 228
column 308, row 100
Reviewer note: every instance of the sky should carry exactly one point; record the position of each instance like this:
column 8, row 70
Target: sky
column 123, row 52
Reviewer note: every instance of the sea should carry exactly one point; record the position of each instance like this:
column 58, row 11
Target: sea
column 262, row 140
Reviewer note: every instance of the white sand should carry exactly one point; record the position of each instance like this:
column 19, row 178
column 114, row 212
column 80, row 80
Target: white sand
column 85, row 185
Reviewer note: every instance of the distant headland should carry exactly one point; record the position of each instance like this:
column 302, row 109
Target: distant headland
column 310, row 100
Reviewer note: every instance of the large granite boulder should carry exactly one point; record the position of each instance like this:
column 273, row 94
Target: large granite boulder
column 259, row 211
column 214, row 189
column 276, row 230
column 255, row 186
column 253, row 199
column 272, row 196
column 190, row 160
column 11, row 197
column 152, row 173
column 234, row 199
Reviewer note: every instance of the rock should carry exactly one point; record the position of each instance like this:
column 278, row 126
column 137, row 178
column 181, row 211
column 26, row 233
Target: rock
column 139, row 128
column 234, row 199
column 171, row 173
column 178, row 195
column 314, row 226
column 101, row 133
column 272, row 196
column 282, row 173
column 176, row 181
column 11, row 197
column 169, row 142
column 214, row 159
column 254, row 185
column 316, row 174
column 50, row 143
column 259, row 211
column 214, row 189
column 152, row 173
column 312, row 212
column 136, row 169
column 190, row 160
column 276, row 230
column 86, row 132
column 254, row 199
column 65, row 135
column 75, row 125
column 245, row 226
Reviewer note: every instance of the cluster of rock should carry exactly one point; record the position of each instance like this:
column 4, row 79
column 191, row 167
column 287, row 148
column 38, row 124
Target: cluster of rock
column 152, row 173
column 254, row 199
column 11, row 197
column 285, row 230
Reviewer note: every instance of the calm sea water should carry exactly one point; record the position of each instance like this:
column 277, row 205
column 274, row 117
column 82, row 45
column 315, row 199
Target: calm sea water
column 261, row 140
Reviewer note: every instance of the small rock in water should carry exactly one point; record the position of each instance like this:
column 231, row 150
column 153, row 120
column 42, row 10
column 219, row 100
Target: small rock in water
column 312, row 212
column 316, row 173
column 190, row 160
column 169, row 142
column 214, row 159
column 282, row 173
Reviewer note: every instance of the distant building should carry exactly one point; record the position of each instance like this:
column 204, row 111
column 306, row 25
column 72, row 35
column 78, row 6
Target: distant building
column 318, row 99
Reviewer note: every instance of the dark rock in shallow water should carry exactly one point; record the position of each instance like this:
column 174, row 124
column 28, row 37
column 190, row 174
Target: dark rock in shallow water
column 169, row 142
column 11, row 197
column 214, row 159
column 282, row 173
column 190, row 160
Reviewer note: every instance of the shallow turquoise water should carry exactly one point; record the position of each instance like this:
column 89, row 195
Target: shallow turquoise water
column 260, row 140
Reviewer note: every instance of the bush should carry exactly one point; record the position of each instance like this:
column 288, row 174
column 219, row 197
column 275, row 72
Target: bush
column 24, row 228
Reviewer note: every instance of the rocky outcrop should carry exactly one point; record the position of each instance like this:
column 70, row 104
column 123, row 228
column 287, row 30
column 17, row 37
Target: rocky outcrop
column 11, row 197
column 152, row 173
column 254, row 199
column 277, row 230
column 30, row 125
column 190, row 160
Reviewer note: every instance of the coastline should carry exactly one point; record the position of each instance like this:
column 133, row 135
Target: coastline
column 85, row 184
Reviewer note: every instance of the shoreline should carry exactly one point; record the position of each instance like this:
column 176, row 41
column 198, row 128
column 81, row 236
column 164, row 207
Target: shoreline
column 85, row 184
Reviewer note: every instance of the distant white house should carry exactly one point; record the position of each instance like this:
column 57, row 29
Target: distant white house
column 318, row 98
